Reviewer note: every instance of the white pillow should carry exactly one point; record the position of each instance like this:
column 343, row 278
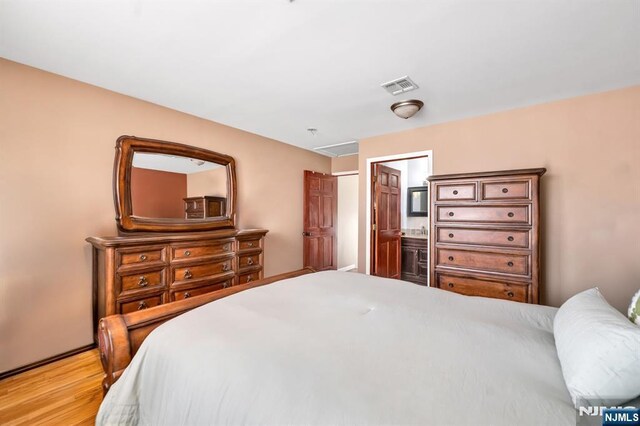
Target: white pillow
column 599, row 350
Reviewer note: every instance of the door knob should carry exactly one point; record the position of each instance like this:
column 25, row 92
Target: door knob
column 306, row 234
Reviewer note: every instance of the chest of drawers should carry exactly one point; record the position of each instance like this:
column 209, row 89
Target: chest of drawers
column 137, row 272
column 486, row 229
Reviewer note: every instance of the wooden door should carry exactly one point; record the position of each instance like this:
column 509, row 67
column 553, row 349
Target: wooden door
column 386, row 225
column 320, row 220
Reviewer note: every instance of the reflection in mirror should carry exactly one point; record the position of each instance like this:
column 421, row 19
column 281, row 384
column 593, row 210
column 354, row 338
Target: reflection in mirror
column 418, row 200
column 170, row 186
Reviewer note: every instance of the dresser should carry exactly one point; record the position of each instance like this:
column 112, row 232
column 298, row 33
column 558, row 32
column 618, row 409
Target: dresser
column 415, row 258
column 136, row 272
column 203, row 207
column 485, row 234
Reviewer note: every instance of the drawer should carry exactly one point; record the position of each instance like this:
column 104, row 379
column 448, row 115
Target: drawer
column 511, row 190
column 140, row 255
column 249, row 244
column 140, row 304
column 185, row 294
column 483, row 288
column 484, row 237
column 484, row 214
column 191, row 251
column 249, row 260
column 456, row 191
column 516, row 264
column 141, row 280
column 252, row 276
column 204, row 270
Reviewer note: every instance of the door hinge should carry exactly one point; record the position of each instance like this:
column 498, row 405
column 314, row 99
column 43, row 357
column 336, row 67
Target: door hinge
column 374, row 227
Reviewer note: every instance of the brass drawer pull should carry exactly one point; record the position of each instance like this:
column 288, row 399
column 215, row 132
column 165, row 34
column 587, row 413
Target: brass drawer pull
column 142, row 305
column 225, row 284
column 450, row 258
column 510, row 214
column 450, row 235
column 451, row 214
column 187, row 253
column 225, row 267
column 249, row 278
column 187, row 274
column 226, row 247
column 455, row 192
column 187, row 295
column 510, row 294
column 250, row 261
column 250, row 244
column 450, row 285
column 510, row 238
column 142, row 282
column 510, row 264
column 143, row 257
column 505, row 190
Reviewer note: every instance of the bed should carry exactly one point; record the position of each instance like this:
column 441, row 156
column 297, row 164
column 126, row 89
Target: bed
column 343, row 348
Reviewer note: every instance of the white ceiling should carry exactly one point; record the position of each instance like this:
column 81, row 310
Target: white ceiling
column 172, row 163
column 275, row 68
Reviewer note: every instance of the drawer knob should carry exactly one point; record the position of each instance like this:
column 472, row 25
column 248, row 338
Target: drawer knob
column 249, row 278
column 450, row 213
column 142, row 281
column 187, row 253
column 142, row 305
column 505, row 190
column 510, row 238
column 250, row 261
column 450, row 235
column 455, row 192
column 187, row 295
column 510, row 264
column 450, row 285
column 510, row 214
column 250, row 244
column 510, row 294
column 187, row 274
column 450, row 258
column 143, row 257
column 226, row 247
column 225, row 284
column 225, row 267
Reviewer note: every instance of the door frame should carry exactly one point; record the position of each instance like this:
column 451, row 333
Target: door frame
column 370, row 162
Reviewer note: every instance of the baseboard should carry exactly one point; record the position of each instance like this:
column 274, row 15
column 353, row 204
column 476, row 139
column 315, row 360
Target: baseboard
column 45, row 361
column 347, row 268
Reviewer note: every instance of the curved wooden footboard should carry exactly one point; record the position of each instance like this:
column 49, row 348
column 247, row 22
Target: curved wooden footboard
column 120, row 336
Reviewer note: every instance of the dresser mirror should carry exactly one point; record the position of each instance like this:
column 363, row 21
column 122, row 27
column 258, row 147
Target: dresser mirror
column 165, row 186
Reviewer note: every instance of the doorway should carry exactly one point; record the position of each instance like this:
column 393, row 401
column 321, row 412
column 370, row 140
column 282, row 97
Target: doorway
column 397, row 241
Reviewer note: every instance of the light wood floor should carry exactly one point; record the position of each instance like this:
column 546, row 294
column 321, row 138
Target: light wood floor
column 66, row 392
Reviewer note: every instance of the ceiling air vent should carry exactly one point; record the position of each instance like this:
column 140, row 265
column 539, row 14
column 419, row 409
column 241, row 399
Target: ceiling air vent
column 399, row 85
column 339, row 149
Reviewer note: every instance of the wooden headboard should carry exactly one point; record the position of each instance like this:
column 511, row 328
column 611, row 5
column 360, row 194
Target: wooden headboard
column 120, row 336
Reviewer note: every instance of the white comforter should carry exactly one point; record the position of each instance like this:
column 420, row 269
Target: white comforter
column 346, row 348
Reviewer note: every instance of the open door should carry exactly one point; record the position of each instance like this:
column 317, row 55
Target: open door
column 320, row 219
column 386, row 227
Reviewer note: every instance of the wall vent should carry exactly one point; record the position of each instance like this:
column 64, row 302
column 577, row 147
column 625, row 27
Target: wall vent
column 339, row 149
column 399, row 85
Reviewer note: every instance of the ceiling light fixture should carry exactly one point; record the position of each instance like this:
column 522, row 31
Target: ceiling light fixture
column 407, row 109
column 313, row 131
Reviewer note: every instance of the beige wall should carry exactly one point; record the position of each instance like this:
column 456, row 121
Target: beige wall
column 347, row 221
column 590, row 194
column 211, row 182
column 57, row 139
column 348, row 163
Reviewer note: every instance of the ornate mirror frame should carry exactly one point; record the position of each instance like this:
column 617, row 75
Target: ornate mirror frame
column 126, row 147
